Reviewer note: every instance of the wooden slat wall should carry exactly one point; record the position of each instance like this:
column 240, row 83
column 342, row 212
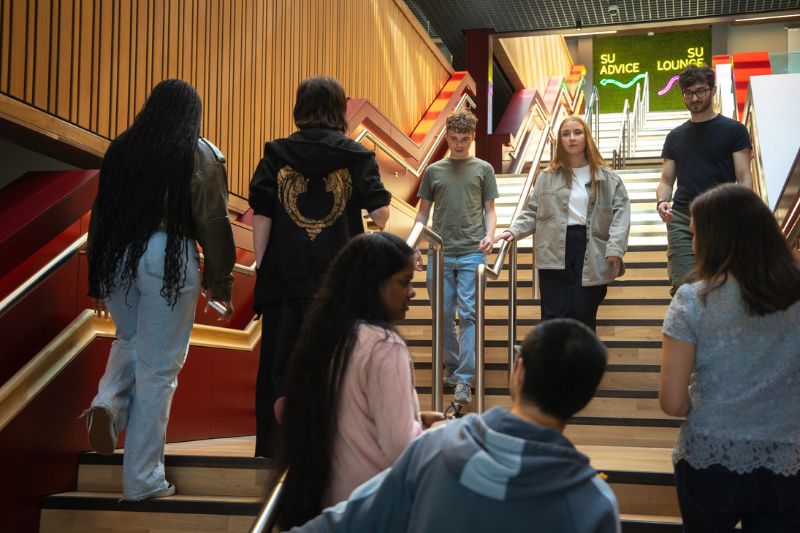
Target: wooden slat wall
column 536, row 58
column 93, row 62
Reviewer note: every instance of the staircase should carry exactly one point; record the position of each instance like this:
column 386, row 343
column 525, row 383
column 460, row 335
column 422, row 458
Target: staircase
column 221, row 488
column 650, row 140
column 622, row 430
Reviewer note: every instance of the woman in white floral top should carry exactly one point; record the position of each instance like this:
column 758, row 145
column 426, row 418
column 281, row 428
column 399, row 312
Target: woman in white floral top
column 731, row 365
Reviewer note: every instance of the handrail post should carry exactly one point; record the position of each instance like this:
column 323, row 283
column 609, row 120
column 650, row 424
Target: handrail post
column 437, row 331
column 512, row 304
column 418, row 233
column 480, row 303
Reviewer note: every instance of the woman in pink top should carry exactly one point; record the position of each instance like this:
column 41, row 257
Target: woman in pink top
column 352, row 408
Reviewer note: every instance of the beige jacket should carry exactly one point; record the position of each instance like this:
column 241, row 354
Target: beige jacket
column 608, row 224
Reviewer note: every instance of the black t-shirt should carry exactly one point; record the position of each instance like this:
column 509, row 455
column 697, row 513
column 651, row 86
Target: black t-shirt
column 313, row 185
column 703, row 155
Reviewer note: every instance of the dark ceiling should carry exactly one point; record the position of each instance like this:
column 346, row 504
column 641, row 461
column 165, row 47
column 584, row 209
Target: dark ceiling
column 447, row 19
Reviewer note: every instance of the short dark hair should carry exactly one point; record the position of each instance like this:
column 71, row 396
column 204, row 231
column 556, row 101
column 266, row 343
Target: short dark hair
column 564, row 362
column 462, row 121
column 321, row 103
column 694, row 74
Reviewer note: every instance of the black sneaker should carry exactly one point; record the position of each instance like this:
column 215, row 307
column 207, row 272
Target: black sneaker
column 102, row 435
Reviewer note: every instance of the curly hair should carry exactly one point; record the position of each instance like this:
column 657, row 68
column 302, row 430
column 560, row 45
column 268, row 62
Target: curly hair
column 146, row 177
column 462, row 121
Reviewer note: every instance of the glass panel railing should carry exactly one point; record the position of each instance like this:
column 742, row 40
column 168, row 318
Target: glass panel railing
column 785, row 62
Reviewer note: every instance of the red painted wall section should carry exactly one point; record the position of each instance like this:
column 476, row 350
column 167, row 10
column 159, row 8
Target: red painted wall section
column 745, row 65
column 39, row 206
column 40, row 447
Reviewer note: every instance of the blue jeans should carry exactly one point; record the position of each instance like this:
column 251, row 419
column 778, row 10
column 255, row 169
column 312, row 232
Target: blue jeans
column 142, row 370
column 459, row 294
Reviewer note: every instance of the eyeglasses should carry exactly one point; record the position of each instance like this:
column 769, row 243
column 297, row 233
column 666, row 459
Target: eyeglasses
column 700, row 93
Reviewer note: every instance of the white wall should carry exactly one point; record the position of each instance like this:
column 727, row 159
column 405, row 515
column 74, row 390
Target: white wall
column 776, row 120
column 770, row 38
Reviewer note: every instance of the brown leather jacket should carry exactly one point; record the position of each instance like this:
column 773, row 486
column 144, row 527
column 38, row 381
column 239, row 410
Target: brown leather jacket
column 211, row 223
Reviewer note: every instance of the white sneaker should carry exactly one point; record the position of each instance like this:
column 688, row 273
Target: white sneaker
column 463, row 393
column 167, row 491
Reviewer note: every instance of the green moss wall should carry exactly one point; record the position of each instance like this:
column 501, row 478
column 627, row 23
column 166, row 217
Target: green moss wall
column 619, row 60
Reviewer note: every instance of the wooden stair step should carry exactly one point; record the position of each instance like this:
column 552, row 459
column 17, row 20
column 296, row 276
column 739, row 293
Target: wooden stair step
column 620, row 435
column 193, row 475
column 638, row 523
column 618, row 354
column 602, row 411
column 73, row 512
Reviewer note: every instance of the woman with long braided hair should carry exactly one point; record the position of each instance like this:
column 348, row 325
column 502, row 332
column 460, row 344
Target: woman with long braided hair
column 163, row 189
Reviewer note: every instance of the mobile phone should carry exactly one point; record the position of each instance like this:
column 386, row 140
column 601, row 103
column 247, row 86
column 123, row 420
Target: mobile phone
column 218, row 307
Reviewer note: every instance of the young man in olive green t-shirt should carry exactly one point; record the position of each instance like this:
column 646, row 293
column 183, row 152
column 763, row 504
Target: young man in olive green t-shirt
column 463, row 188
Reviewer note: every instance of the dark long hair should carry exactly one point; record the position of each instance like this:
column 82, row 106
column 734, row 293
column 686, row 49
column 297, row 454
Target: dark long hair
column 737, row 234
column 147, row 169
column 350, row 294
column 321, row 103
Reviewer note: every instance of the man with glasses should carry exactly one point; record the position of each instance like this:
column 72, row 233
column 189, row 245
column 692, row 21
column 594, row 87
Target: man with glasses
column 701, row 153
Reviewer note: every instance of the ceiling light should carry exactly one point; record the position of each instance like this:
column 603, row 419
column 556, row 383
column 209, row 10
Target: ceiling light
column 767, row 18
column 582, row 34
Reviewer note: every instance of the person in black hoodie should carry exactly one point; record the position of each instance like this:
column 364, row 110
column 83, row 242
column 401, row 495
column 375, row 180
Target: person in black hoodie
column 307, row 194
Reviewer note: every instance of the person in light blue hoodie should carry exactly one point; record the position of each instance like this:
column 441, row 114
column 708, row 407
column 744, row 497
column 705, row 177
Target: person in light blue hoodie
column 505, row 470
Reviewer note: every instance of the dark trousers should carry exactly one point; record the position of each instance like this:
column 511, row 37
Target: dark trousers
column 714, row 499
column 280, row 329
column 563, row 296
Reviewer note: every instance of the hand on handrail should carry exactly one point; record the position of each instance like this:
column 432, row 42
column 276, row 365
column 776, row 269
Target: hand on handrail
column 505, row 236
column 418, row 266
column 100, row 308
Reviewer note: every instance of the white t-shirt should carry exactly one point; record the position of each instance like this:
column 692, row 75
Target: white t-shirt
column 579, row 197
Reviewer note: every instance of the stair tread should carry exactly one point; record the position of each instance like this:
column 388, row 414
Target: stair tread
column 625, row 517
column 115, row 496
column 629, row 458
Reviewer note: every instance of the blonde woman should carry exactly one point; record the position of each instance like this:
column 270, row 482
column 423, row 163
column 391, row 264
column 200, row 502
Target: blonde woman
column 579, row 214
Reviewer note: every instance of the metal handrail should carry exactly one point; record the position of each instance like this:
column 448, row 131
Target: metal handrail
column 592, row 114
column 420, row 232
column 619, row 153
column 537, row 108
column 416, row 172
column 631, row 126
column 485, row 272
column 41, row 275
column 269, row 512
column 757, row 161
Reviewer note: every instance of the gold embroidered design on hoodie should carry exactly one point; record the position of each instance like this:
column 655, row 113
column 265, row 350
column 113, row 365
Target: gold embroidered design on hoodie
column 291, row 184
